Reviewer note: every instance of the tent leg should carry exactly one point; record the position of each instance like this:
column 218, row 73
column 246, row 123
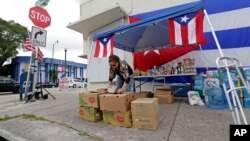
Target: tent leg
column 236, row 102
column 85, row 86
column 213, row 33
column 202, row 57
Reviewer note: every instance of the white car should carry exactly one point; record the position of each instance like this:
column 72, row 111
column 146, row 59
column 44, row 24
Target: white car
column 75, row 83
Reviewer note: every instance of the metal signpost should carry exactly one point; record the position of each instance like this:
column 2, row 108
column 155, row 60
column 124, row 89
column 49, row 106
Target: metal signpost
column 42, row 19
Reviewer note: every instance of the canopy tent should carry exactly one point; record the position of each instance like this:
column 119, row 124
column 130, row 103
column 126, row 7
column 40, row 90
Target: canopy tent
column 152, row 34
column 144, row 35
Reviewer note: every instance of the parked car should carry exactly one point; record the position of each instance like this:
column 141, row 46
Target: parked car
column 76, row 83
column 8, row 85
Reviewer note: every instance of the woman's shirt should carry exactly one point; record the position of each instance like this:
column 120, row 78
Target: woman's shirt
column 124, row 71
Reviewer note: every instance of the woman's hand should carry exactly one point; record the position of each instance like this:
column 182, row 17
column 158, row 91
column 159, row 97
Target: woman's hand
column 120, row 91
column 109, row 86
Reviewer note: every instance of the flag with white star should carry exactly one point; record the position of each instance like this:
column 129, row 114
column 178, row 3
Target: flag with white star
column 104, row 46
column 186, row 29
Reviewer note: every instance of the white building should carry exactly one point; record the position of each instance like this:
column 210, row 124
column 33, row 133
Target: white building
column 102, row 15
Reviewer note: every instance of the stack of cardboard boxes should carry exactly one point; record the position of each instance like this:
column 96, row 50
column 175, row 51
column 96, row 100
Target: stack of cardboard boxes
column 145, row 113
column 89, row 108
column 116, row 109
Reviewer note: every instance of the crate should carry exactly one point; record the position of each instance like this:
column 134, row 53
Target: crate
column 180, row 90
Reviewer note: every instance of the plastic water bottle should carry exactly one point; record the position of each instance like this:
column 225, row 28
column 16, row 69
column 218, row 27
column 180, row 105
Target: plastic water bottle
column 215, row 98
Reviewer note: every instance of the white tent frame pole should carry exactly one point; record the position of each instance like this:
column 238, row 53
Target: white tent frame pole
column 85, row 86
column 213, row 33
column 236, row 102
column 202, row 51
column 234, row 112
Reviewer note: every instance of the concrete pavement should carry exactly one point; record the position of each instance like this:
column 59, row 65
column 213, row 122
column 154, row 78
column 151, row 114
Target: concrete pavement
column 179, row 121
column 24, row 129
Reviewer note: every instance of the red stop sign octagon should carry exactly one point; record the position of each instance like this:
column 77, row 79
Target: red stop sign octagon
column 40, row 17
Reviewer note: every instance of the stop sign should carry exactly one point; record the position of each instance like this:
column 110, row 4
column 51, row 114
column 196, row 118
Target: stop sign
column 40, row 17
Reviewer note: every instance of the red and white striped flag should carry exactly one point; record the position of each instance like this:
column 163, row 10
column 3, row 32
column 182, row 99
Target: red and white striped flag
column 40, row 55
column 29, row 46
column 104, row 46
column 186, row 29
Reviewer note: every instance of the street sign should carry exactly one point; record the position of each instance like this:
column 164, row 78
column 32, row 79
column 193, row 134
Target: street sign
column 64, row 83
column 40, row 17
column 39, row 36
column 42, row 3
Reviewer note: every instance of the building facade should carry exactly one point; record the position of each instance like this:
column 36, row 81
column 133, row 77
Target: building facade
column 20, row 64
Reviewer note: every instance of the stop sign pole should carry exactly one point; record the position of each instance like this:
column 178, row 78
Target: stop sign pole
column 40, row 17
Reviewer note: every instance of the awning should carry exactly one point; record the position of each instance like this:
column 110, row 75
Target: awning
column 88, row 25
column 149, row 33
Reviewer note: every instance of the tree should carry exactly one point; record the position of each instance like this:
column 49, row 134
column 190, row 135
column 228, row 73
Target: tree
column 12, row 35
column 53, row 75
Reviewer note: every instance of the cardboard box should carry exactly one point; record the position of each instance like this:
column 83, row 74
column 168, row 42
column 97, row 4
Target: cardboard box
column 116, row 102
column 142, row 95
column 145, row 107
column 165, row 96
column 90, row 99
column 149, row 123
column 122, row 119
column 145, row 113
column 102, row 90
column 90, row 114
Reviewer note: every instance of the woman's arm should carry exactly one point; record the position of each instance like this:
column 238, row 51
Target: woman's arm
column 111, row 77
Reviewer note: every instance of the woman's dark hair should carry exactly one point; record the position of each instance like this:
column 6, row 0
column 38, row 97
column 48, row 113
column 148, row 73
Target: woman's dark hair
column 114, row 58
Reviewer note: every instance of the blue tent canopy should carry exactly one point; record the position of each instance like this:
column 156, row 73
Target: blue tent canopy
column 151, row 33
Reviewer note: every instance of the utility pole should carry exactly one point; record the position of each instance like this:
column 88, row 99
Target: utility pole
column 52, row 62
column 65, row 74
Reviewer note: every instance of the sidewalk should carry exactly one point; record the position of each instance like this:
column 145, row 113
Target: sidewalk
column 179, row 121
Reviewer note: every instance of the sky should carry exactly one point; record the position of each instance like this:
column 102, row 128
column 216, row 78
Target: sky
column 62, row 12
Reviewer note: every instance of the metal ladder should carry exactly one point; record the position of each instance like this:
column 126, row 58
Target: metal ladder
column 227, row 64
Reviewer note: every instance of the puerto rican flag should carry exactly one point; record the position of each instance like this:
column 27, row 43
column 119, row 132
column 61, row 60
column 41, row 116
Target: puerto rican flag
column 186, row 29
column 104, row 46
